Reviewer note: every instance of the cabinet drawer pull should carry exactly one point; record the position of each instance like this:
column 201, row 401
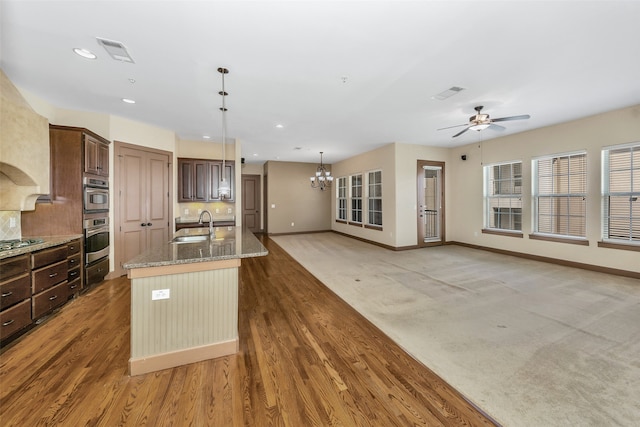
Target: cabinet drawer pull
column 72, row 261
column 51, row 298
column 73, row 286
column 7, row 294
column 73, row 273
column 72, row 248
column 8, row 322
column 53, row 274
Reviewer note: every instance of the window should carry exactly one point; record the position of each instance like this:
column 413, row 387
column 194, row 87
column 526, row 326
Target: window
column 621, row 194
column 503, row 196
column 560, row 195
column 356, row 198
column 341, row 195
column 374, row 185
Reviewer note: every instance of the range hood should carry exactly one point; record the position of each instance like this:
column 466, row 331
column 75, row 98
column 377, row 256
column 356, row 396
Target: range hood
column 24, row 150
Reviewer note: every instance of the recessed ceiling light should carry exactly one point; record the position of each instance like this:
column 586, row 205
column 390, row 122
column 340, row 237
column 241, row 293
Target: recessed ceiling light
column 255, row 154
column 84, row 53
column 279, row 126
column 206, row 136
column 128, row 100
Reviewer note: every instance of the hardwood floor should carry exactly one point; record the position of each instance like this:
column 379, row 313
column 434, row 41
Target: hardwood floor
column 306, row 359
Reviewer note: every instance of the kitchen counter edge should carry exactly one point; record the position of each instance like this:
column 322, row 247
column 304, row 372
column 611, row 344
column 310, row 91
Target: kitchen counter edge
column 48, row 242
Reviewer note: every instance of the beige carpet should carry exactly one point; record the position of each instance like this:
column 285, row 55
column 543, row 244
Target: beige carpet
column 530, row 343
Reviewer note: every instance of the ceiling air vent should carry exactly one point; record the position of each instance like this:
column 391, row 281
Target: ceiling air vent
column 116, row 49
column 447, row 93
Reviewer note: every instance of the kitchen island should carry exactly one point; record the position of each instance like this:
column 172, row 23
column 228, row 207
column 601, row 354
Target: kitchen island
column 184, row 297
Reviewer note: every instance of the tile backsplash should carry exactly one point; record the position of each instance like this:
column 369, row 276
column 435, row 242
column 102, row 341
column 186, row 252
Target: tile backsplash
column 10, row 228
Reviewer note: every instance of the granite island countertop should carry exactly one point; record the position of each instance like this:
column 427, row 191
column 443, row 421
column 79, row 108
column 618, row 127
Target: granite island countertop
column 47, row 242
column 228, row 243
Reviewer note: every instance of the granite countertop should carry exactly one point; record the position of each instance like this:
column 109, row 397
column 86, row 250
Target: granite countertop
column 47, row 242
column 229, row 243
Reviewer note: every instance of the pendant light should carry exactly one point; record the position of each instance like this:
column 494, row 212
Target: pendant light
column 224, row 189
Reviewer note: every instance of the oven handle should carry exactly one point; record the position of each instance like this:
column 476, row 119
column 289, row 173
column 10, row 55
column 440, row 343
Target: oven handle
column 93, row 231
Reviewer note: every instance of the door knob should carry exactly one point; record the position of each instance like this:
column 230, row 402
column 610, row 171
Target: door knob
column 149, row 224
column 143, row 224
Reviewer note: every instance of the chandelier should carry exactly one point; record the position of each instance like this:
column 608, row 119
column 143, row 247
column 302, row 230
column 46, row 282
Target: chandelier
column 322, row 178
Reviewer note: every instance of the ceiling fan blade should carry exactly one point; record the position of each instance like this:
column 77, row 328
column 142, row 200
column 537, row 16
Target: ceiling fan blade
column 506, row 119
column 456, row 126
column 496, row 127
column 460, row 133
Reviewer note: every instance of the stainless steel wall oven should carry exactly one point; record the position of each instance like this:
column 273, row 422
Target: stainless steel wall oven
column 96, row 194
column 96, row 239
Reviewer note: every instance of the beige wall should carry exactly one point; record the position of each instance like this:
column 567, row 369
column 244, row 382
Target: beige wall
column 295, row 201
column 590, row 134
column 398, row 163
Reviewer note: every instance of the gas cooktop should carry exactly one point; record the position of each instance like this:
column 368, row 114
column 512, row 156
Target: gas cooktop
column 8, row 245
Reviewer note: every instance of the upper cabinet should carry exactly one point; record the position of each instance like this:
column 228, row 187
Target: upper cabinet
column 96, row 156
column 199, row 180
column 215, row 183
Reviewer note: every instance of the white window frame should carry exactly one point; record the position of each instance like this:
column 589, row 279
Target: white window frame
column 559, row 199
column 623, row 194
column 370, row 198
column 510, row 200
column 342, row 209
column 355, row 198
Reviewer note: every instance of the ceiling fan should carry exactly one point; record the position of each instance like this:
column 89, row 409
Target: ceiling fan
column 480, row 121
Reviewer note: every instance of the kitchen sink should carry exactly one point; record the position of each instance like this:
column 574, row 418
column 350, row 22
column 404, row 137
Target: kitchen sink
column 190, row 239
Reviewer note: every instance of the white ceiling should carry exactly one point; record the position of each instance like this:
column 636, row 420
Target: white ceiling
column 342, row 77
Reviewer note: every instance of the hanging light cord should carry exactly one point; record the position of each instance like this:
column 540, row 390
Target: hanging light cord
column 223, row 93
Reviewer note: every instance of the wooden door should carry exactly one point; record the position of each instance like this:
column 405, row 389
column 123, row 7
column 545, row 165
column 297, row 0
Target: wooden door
column 157, row 190
column 251, row 202
column 143, row 201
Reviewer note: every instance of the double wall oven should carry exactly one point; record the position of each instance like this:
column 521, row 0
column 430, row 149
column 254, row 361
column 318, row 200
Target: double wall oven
column 96, row 228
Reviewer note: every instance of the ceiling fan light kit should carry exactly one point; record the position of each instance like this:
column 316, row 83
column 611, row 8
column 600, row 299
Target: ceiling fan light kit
column 481, row 121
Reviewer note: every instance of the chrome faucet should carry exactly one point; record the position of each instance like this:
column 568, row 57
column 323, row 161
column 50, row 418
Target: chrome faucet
column 211, row 233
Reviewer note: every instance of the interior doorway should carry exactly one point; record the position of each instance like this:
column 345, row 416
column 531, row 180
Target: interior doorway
column 431, row 214
column 143, row 200
column 251, row 217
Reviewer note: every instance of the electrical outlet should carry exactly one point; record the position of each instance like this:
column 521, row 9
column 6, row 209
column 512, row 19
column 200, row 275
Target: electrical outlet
column 293, row 224
column 229, row 210
column 217, row 210
column 160, row 294
column 273, row 206
column 186, row 211
column 12, row 222
column 199, row 211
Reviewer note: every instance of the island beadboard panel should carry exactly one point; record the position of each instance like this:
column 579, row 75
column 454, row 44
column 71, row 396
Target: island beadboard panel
column 171, row 332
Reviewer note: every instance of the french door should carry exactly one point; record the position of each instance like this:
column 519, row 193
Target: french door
column 430, row 180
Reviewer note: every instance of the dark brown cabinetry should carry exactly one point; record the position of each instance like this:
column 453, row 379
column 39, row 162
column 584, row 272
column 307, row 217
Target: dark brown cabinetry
column 49, row 280
column 74, row 266
column 96, row 156
column 32, row 285
column 15, row 300
column 199, row 180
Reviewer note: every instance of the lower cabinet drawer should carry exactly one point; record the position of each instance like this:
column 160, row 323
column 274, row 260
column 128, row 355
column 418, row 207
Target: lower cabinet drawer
column 50, row 299
column 49, row 276
column 74, row 261
column 74, row 286
column 95, row 273
column 15, row 318
column 15, row 290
